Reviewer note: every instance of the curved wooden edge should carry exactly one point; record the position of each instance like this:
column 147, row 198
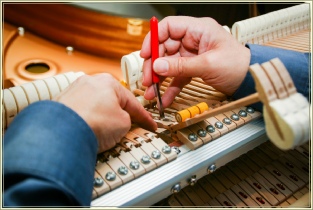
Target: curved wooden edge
column 86, row 30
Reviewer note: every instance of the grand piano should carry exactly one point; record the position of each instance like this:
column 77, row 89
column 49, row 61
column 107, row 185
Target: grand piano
column 237, row 166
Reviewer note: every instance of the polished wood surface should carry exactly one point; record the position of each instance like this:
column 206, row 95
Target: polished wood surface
column 86, row 30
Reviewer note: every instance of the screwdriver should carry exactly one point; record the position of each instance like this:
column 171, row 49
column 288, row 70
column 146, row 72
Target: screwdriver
column 154, row 55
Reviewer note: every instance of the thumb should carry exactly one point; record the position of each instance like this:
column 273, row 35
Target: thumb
column 181, row 66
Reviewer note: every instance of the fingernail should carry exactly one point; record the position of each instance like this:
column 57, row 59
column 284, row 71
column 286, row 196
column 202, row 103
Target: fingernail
column 160, row 66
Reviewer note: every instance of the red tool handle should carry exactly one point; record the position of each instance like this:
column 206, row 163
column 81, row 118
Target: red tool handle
column 154, row 46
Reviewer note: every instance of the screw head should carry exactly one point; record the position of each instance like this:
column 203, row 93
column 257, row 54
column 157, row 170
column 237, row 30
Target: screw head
column 176, row 188
column 211, row 168
column 176, row 149
column 219, row 125
column 210, row 129
column 69, row 49
column 134, row 164
column 227, row 121
column 110, row 176
column 166, row 149
column 21, row 31
column 156, row 154
column 192, row 181
column 145, row 159
column 234, row 117
column 123, row 170
column 250, row 110
column 243, row 113
column 98, row 182
column 201, row 133
column 192, row 137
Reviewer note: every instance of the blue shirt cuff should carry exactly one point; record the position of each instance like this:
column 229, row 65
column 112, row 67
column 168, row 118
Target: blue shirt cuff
column 52, row 144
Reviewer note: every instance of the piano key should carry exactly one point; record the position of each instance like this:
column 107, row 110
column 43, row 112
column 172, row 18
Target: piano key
column 243, row 114
column 173, row 202
column 120, row 169
column 237, row 170
column 261, row 155
column 259, row 188
column 300, row 157
column 253, row 113
column 222, row 179
column 253, row 194
column 229, row 174
column 208, row 188
column 218, row 125
column 271, row 188
column 304, row 152
column 158, row 143
column 213, row 203
column 214, row 133
column 291, row 200
column 215, row 183
column 298, row 195
column 280, row 176
column 304, row 190
column 189, row 138
column 100, row 186
column 224, row 201
column 108, row 175
column 42, row 90
column 256, row 159
column 251, row 164
column 201, row 192
column 278, row 183
column 134, row 165
column 31, row 93
column 20, row 98
column 9, row 105
column 294, row 169
column 148, row 148
column 243, row 196
column 154, row 153
column 234, row 199
column 235, row 118
column 147, row 162
column 201, row 133
column 168, row 153
column 285, row 204
column 183, row 199
column 266, row 154
column 194, row 198
column 290, row 175
column 226, row 121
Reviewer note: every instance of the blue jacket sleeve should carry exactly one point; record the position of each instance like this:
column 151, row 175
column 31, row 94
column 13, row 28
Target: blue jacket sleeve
column 49, row 155
column 297, row 64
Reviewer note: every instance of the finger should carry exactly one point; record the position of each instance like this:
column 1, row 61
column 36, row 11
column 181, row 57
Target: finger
column 147, row 73
column 138, row 114
column 145, row 51
column 183, row 66
column 149, row 93
column 169, row 27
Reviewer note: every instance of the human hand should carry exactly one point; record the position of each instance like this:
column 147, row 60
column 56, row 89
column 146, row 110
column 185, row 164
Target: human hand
column 195, row 47
column 106, row 106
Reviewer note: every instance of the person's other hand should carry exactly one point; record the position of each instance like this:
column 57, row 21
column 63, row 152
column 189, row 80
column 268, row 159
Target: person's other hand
column 195, row 47
column 106, row 106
